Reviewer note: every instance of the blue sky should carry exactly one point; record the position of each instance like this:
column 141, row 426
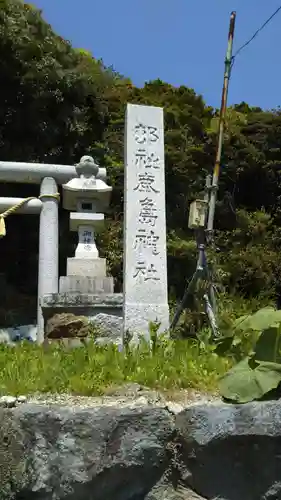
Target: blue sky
column 182, row 42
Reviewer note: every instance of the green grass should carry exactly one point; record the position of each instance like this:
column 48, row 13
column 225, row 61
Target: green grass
column 93, row 370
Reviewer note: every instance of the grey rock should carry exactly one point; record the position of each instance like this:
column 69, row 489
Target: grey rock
column 5, row 337
column 109, row 326
column 21, row 399
column 11, row 401
column 67, row 325
column 128, row 389
column 8, row 401
column 274, row 492
column 136, row 450
column 231, row 452
column 166, row 491
column 91, row 454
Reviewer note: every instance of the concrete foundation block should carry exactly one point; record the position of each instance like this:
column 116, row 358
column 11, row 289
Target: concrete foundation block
column 90, row 268
column 83, row 284
column 84, row 304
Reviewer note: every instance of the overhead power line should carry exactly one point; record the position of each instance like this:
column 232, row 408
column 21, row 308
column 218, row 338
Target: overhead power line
column 255, row 34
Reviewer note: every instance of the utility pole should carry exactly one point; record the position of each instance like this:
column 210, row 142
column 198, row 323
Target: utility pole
column 215, row 181
column 196, row 221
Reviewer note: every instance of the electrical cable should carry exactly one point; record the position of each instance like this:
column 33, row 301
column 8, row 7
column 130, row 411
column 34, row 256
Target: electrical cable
column 254, row 35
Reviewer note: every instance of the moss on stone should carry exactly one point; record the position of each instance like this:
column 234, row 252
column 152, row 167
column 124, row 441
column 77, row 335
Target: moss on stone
column 13, row 457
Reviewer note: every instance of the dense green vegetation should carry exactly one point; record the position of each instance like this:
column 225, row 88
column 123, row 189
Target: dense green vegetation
column 27, row 369
column 76, row 106
column 258, row 375
column 59, row 103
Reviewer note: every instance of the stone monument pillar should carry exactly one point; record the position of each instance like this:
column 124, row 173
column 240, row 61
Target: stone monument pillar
column 145, row 254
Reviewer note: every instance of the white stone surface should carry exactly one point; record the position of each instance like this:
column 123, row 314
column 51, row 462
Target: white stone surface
column 88, row 187
column 33, row 173
column 10, row 335
column 86, row 248
column 84, row 284
column 31, row 207
column 92, row 268
column 8, row 401
column 110, row 326
column 86, row 219
column 145, row 255
column 21, row 399
column 48, row 272
column 88, row 195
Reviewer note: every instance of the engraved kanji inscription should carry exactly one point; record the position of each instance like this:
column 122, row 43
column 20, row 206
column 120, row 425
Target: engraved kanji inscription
column 147, row 214
column 146, row 239
column 145, row 183
column 145, row 134
column 145, row 160
column 147, row 271
column 87, row 237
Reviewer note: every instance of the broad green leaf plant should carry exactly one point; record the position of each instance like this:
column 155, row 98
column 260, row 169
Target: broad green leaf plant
column 260, row 372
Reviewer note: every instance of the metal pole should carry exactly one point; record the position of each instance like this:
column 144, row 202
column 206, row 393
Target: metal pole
column 227, row 71
column 200, row 240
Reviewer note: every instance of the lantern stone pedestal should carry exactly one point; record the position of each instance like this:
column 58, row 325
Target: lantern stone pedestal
column 86, row 289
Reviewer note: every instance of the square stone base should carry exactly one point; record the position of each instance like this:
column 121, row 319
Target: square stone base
column 103, row 310
column 82, row 284
column 90, row 268
column 84, row 304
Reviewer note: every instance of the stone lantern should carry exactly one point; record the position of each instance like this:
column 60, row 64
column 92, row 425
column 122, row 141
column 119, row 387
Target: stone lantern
column 86, row 197
column 86, row 290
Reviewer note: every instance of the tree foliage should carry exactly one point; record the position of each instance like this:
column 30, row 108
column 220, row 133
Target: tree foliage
column 59, row 103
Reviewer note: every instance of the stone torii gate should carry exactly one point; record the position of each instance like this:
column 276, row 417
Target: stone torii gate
column 48, row 176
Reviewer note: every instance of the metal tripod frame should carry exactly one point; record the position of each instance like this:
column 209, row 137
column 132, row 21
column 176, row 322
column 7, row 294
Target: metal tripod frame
column 202, row 273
